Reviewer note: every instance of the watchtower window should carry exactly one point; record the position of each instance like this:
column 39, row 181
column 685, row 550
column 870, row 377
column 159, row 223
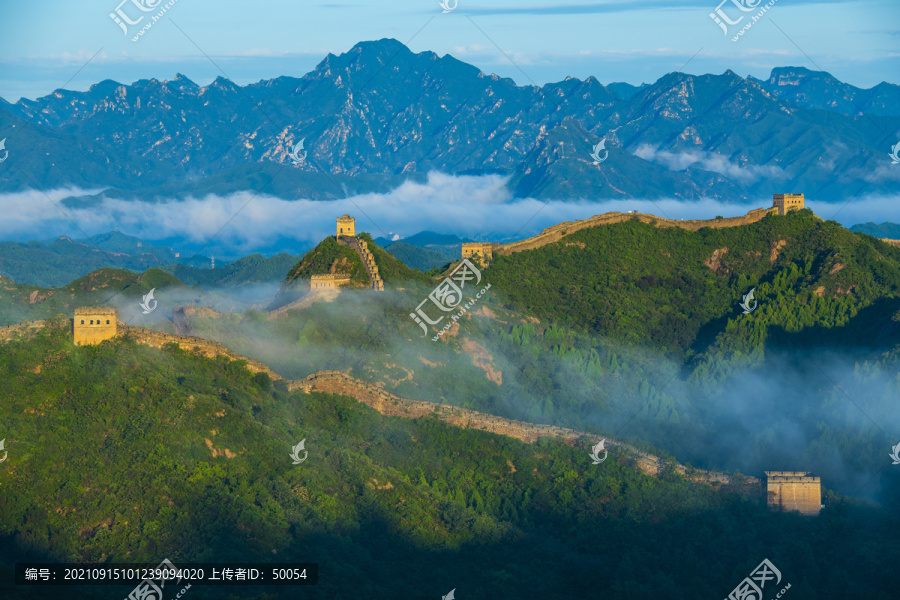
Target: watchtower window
column 82, row 321
column 107, row 321
column 92, row 321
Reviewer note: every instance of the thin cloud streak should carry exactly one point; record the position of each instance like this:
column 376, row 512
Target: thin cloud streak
column 709, row 161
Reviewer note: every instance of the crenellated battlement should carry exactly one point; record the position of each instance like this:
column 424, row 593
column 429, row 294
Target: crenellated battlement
column 329, row 281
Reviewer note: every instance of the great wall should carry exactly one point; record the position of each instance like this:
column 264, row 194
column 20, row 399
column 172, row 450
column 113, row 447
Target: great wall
column 368, row 260
column 557, row 232
column 11, row 332
column 388, row 404
column 781, row 205
column 346, row 235
column 195, row 345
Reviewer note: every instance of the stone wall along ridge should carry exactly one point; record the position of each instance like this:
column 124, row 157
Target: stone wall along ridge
column 368, row 259
column 386, row 403
column 195, row 345
column 11, row 332
column 555, row 233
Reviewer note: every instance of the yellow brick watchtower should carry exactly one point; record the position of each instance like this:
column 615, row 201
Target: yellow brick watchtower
column 484, row 249
column 346, row 226
column 785, row 203
column 93, row 324
column 794, row 490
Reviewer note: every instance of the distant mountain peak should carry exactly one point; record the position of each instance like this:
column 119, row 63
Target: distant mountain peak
column 402, row 115
column 384, row 45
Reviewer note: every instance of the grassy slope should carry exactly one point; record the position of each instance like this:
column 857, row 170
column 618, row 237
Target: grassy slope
column 108, row 461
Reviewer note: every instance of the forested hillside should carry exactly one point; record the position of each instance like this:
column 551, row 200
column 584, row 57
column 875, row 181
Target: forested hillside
column 675, row 290
column 121, row 452
column 118, row 287
column 55, row 263
column 247, row 271
column 807, row 376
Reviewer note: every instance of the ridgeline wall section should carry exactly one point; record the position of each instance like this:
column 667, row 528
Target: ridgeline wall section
column 196, row 345
column 10, row 332
column 555, row 233
column 339, row 382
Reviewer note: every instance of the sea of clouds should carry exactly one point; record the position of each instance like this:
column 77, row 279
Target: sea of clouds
column 478, row 207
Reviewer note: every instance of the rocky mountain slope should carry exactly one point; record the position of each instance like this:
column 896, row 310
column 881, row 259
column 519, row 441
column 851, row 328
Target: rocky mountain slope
column 379, row 114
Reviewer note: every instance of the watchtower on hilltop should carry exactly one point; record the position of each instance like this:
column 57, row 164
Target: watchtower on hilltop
column 785, row 203
column 93, row 324
column 794, row 490
column 346, row 226
column 484, row 249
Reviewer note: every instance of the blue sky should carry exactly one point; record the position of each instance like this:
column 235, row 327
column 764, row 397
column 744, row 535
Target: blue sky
column 52, row 44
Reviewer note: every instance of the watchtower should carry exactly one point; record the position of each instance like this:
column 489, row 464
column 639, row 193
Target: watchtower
column 346, row 225
column 93, row 324
column 485, row 249
column 794, row 490
column 787, row 202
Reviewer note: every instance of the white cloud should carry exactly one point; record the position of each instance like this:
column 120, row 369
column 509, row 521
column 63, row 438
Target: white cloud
column 477, row 207
column 710, row 161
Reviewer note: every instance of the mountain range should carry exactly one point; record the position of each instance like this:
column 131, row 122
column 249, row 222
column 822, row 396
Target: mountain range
column 54, row 263
column 380, row 114
column 886, row 230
